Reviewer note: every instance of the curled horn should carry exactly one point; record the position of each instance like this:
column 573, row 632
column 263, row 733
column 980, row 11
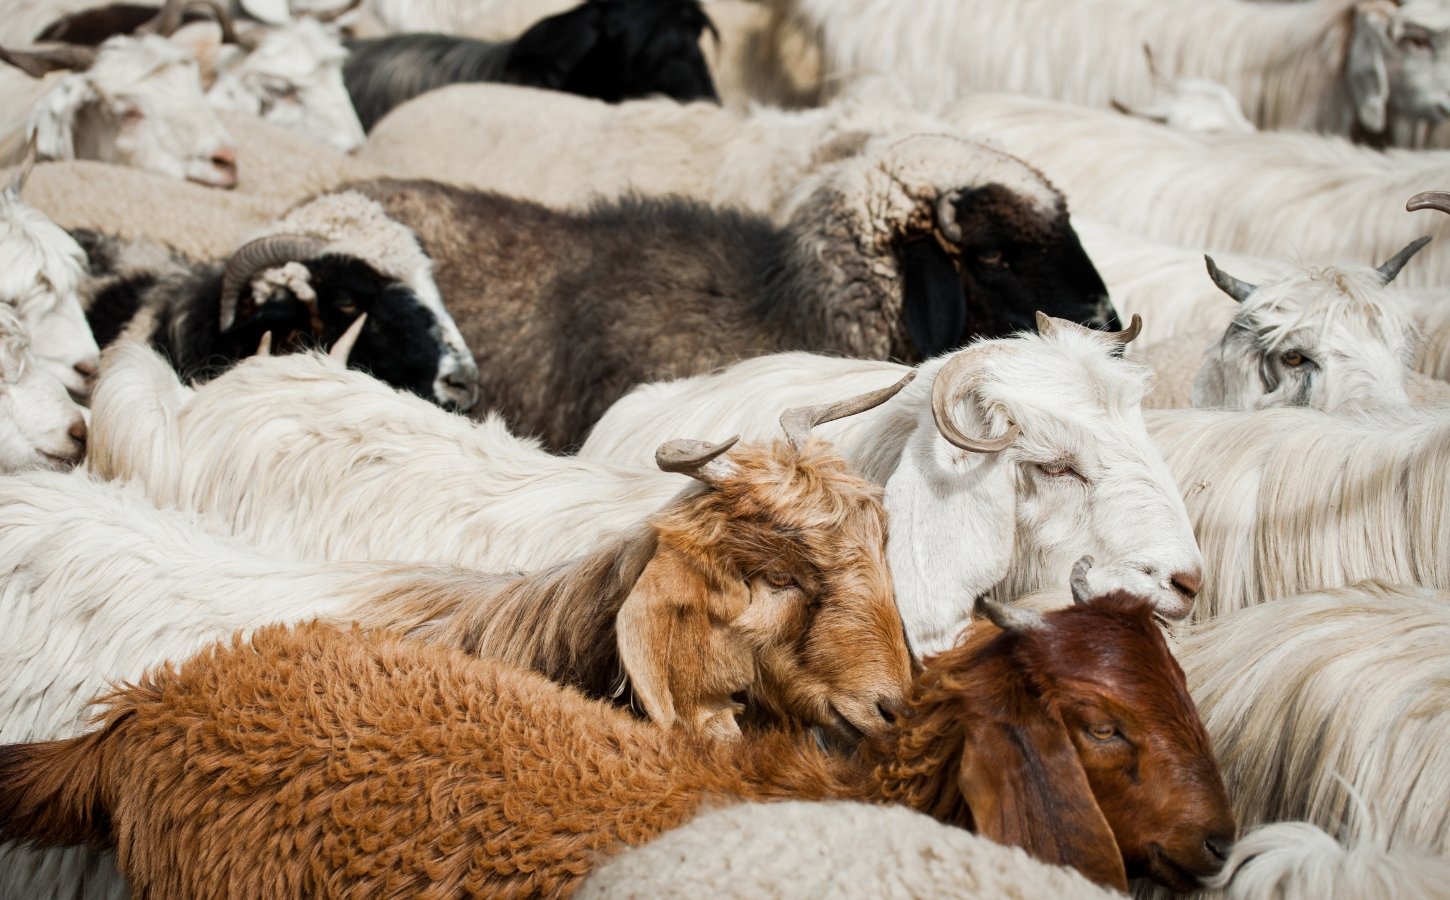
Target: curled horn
column 1395, row 263
column 38, row 63
column 255, row 257
column 343, row 347
column 333, row 15
column 943, row 398
column 264, row 346
column 946, row 218
column 1081, row 593
column 1239, row 290
column 1135, row 328
column 692, row 458
column 1010, row 618
column 1429, row 200
column 799, row 420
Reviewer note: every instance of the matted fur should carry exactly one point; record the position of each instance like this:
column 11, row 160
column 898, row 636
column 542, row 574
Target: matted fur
column 315, row 757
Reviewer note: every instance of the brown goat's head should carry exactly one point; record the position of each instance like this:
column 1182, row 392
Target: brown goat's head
column 772, row 583
column 1075, row 738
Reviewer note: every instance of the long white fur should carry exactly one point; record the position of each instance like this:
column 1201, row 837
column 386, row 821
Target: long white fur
column 963, row 524
column 1286, row 64
column 1298, row 861
column 37, row 416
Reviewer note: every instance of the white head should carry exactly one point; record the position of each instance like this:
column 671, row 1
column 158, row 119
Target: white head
column 1398, row 68
column 41, row 268
column 136, row 101
column 1033, row 455
column 290, row 75
column 1328, row 338
column 40, row 427
column 1189, row 104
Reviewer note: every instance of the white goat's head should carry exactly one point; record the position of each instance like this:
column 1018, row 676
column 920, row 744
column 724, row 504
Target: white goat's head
column 1399, row 62
column 135, row 101
column 1035, row 456
column 41, row 269
column 1189, row 104
column 1327, row 338
column 40, row 427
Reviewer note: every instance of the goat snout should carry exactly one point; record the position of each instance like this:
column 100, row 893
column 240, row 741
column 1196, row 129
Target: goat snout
column 222, row 168
column 1219, row 846
column 888, row 710
column 77, row 434
column 1187, row 582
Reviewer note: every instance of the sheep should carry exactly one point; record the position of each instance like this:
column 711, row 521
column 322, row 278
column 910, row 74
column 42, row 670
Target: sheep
column 1347, row 67
column 1005, row 517
column 1288, row 500
column 135, row 101
column 1276, row 195
column 40, row 426
column 41, row 269
column 304, row 279
column 610, row 49
column 497, row 782
column 902, row 251
column 795, row 848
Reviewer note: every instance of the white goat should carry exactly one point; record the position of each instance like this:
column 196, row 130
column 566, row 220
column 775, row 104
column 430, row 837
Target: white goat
column 1189, row 104
column 135, row 101
column 1082, row 477
column 41, row 269
column 1336, row 66
column 40, row 426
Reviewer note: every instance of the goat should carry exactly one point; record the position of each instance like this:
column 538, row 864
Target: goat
column 1071, row 469
column 135, row 101
column 419, row 766
column 1351, row 67
column 40, row 426
column 305, row 280
column 610, row 49
column 1189, row 104
column 901, row 252
column 41, row 270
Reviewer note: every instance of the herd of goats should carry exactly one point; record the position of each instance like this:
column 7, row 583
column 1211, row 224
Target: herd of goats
column 677, row 448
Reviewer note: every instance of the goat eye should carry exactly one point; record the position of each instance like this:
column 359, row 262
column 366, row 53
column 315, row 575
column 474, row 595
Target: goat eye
column 990, row 258
column 779, row 580
column 1102, row 731
column 1292, row 359
column 1416, row 40
column 1059, row 470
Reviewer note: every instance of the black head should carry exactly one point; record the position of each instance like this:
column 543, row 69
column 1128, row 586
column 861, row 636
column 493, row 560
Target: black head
column 997, row 258
column 618, row 49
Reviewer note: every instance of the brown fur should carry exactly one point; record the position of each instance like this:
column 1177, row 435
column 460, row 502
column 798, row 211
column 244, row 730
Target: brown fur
column 314, row 762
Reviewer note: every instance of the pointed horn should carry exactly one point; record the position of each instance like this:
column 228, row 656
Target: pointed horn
column 1395, row 263
column 27, row 165
column 166, row 21
column 333, row 15
column 39, row 63
column 1081, row 593
column 1010, row 618
column 228, row 25
column 342, row 349
column 1429, row 200
column 691, row 458
column 1239, row 290
column 944, row 396
column 1135, row 327
column 264, row 346
column 799, row 420
column 946, row 218
column 255, row 257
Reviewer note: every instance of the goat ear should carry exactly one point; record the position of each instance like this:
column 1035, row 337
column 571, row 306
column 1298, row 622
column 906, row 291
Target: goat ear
column 1022, row 780
column 679, row 661
column 53, row 117
column 933, row 303
column 553, row 47
column 1368, row 74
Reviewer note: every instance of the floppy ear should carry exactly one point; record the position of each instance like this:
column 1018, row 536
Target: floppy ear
column 933, row 303
column 1025, row 786
column 52, row 119
column 678, row 655
column 1369, row 80
column 553, row 47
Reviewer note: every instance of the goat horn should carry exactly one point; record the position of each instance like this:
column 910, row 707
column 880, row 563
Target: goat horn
column 255, row 257
column 942, row 400
column 1081, row 593
column 1395, row 263
column 1239, row 290
column 39, row 63
column 333, row 15
column 27, row 165
column 946, row 218
column 1153, row 72
column 1135, row 328
column 264, row 346
column 1010, row 618
column 799, row 420
column 1429, row 200
column 166, row 21
column 342, row 349
column 691, row 457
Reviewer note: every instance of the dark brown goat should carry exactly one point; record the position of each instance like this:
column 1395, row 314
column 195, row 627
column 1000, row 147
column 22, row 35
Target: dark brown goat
column 319, row 762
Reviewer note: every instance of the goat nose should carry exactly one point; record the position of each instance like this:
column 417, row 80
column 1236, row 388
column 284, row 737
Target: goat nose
column 86, row 368
column 77, row 432
column 1219, row 846
column 1187, row 582
column 225, row 162
column 888, row 711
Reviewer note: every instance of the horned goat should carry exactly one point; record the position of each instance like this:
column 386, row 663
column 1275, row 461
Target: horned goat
column 1365, row 68
column 900, row 252
column 40, row 426
column 470, row 776
column 1070, row 470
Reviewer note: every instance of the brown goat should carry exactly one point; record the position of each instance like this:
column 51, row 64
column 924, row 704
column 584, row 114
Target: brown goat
column 315, row 762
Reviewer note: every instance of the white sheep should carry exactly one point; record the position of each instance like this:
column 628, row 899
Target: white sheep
column 1081, row 478
column 1338, row 66
column 800, row 849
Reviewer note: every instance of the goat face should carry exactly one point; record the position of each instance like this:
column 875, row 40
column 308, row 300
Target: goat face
column 1398, row 69
column 41, row 427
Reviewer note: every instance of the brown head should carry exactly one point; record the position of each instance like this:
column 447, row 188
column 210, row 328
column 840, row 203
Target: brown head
column 771, row 584
column 1071, row 734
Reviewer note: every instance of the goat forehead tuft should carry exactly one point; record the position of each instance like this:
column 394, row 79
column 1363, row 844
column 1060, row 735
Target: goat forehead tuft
column 1066, row 375
column 38, row 259
column 1319, row 300
column 125, row 60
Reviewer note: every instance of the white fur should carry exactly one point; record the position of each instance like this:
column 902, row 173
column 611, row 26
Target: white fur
column 1194, row 104
column 1298, row 861
column 796, row 849
column 961, row 523
column 37, row 415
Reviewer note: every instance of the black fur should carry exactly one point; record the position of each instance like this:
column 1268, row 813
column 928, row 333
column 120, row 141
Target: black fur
column 933, row 304
column 609, row 49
